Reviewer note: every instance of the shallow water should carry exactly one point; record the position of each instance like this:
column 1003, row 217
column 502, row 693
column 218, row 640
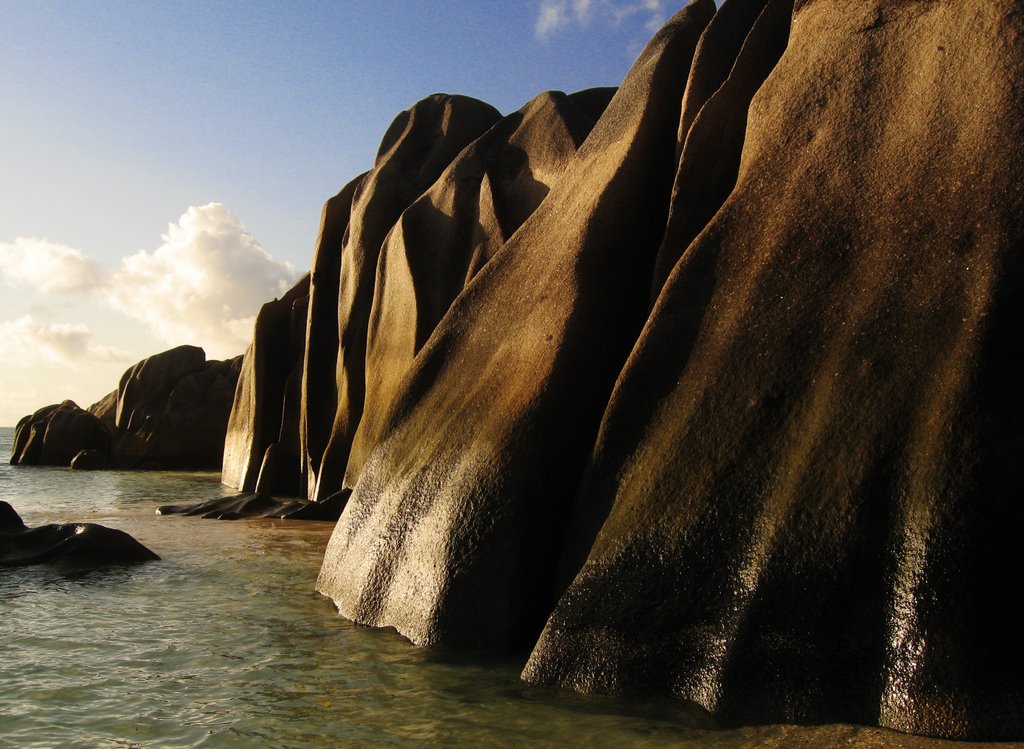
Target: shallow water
column 223, row 643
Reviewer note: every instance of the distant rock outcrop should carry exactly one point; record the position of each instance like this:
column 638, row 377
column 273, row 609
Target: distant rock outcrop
column 55, row 434
column 170, row 411
column 77, row 544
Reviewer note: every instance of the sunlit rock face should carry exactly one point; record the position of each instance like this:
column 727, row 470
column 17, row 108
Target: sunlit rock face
column 443, row 239
column 263, row 427
column 455, row 523
column 169, row 412
column 706, row 391
column 803, row 502
column 418, row 146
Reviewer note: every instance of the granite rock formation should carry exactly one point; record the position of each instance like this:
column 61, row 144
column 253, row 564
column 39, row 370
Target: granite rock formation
column 262, row 431
column 706, row 391
column 75, row 544
column 54, row 435
column 169, row 412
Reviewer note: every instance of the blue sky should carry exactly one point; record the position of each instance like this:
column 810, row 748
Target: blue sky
column 146, row 144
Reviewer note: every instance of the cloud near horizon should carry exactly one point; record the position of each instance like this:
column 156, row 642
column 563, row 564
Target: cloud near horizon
column 202, row 286
column 26, row 342
column 47, row 266
column 555, row 16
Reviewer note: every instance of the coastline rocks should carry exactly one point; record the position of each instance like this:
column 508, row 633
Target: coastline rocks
column 264, row 415
column 418, row 146
column 170, row 411
column 77, row 544
column 253, row 505
column 804, row 500
column 90, row 460
column 453, row 529
column 53, row 435
column 444, row 238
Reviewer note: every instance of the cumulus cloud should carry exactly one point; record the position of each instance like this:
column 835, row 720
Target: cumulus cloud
column 553, row 16
column 47, row 266
column 558, row 15
column 203, row 285
column 26, row 342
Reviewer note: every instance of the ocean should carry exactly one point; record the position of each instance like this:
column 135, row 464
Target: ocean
column 224, row 643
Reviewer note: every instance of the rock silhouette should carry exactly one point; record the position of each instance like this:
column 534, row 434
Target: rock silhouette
column 77, row 544
column 169, row 412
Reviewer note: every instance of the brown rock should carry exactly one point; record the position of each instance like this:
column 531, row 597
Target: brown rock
column 53, row 435
column 319, row 387
column 269, row 365
column 443, row 239
column 451, row 533
column 806, row 489
column 77, row 544
column 416, row 149
column 172, row 411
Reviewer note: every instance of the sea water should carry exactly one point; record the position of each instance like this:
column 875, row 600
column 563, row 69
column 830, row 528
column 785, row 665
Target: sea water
column 224, row 643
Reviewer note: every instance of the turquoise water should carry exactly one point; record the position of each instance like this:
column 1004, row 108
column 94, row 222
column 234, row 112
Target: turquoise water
column 223, row 643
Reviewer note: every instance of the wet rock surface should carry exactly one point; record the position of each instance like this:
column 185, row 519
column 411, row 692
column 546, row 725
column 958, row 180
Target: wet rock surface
column 76, row 544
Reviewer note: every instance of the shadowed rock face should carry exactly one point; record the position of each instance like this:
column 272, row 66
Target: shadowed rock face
column 168, row 412
column 453, row 527
column 443, row 239
column 263, row 427
column 78, row 544
column 806, row 486
column 172, row 411
column 53, row 435
column 416, row 149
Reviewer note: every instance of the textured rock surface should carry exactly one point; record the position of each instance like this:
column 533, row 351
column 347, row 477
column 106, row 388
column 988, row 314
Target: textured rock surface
column 264, row 416
column 806, row 490
column 77, row 544
column 319, row 395
column 451, row 532
column 416, row 149
column 443, row 239
column 170, row 411
column 53, row 435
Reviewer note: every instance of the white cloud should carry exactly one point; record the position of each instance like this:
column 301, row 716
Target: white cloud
column 26, row 342
column 204, row 285
column 554, row 15
column 47, row 266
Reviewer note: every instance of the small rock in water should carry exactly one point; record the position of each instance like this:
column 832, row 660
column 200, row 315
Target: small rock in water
column 82, row 544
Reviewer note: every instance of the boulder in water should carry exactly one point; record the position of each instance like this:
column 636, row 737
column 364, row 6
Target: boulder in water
column 77, row 544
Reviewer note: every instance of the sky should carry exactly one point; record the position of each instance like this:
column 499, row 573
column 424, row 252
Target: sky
column 163, row 165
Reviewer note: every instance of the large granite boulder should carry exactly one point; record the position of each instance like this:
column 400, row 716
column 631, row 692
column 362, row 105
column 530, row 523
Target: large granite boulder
column 53, row 435
column 418, row 146
column 170, row 411
column 804, row 500
column 263, row 426
column 318, row 401
column 444, row 238
column 454, row 526
column 75, row 544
